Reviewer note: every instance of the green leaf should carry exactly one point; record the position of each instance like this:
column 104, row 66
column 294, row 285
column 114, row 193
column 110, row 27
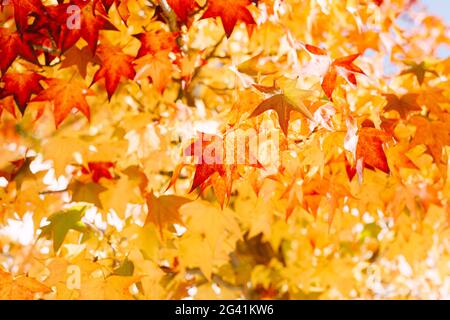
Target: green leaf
column 125, row 269
column 63, row 221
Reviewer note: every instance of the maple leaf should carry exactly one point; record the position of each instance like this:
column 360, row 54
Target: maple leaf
column 119, row 193
column 257, row 65
column 287, row 100
column 121, row 6
column 213, row 165
column 158, row 67
column 433, row 99
column 342, row 66
column 370, row 150
column 412, row 198
column 208, row 164
column 21, row 86
column 126, row 268
column 99, row 169
column 112, row 287
column 13, row 45
column 157, row 40
column 43, row 34
column 294, row 196
column 230, row 12
column 64, row 96
column 419, row 70
column 315, row 50
column 8, row 105
column 332, row 69
column 403, row 105
column 188, row 65
column 183, row 8
column 434, row 134
column 79, row 58
column 61, row 223
column 164, row 210
column 19, row 288
column 212, row 235
column 23, row 8
column 209, row 168
column 115, row 65
column 92, row 20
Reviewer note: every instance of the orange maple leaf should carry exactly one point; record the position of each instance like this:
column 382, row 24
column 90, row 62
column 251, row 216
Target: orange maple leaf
column 21, row 86
column 158, row 67
column 19, row 288
column 282, row 102
column 79, row 58
column 433, row 134
column 419, row 70
column 343, row 66
column 64, row 96
column 154, row 41
column 8, row 105
column 164, row 210
column 403, row 105
column 212, row 166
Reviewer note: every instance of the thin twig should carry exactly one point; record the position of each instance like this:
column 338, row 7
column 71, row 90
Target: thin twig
column 53, row 191
column 171, row 19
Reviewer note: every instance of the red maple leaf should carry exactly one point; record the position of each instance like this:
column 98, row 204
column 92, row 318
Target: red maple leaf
column 212, row 167
column 13, row 45
column 21, row 86
column 183, row 8
column 209, row 169
column 23, row 9
column 155, row 41
column 230, row 12
column 92, row 20
column 205, row 169
column 98, row 169
column 369, row 149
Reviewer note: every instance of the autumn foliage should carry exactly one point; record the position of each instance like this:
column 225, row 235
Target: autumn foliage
column 127, row 168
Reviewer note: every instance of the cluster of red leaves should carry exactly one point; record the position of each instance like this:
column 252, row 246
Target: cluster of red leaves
column 52, row 31
column 214, row 165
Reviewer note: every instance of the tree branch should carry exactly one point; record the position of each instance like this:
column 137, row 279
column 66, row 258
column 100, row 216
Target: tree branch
column 171, row 19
